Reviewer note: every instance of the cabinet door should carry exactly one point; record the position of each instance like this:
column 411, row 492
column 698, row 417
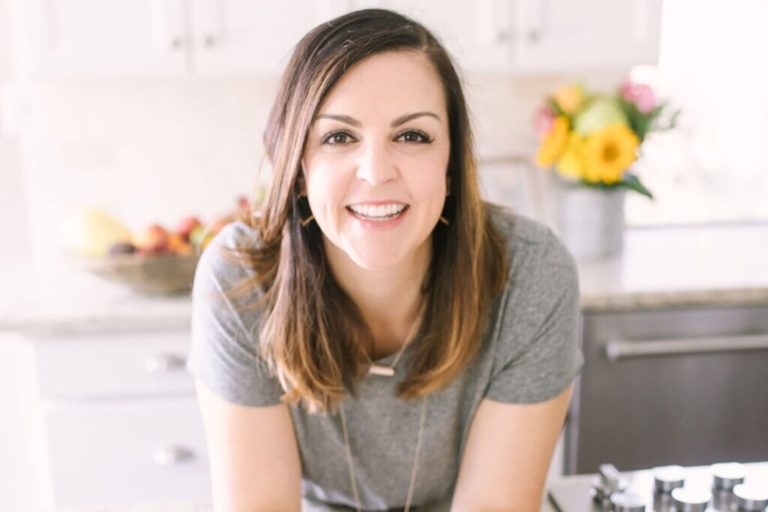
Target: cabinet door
column 104, row 38
column 104, row 365
column 254, row 38
column 478, row 35
column 129, row 451
column 563, row 35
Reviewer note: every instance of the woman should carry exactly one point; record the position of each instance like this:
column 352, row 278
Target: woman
column 377, row 337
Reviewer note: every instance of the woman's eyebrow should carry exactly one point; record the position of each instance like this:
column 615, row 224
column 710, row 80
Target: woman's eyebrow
column 397, row 122
column 343, row 119
column 407, row 117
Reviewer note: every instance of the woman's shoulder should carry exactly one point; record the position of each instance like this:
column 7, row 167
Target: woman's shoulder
column 534, row 339
column 529, row 243
column 224, row 263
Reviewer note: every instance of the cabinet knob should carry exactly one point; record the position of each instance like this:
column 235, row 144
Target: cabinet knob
column 533, row 35
column 504, row 36
column 176, row 42
column 168, row 456
column 209, row 40
column 161, row 363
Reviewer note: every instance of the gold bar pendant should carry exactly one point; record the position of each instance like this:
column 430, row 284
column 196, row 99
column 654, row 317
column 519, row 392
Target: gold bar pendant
column 384, row 371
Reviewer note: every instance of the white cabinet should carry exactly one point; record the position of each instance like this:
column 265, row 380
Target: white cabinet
column 476, row 34
column 126, row 38
column 539, row 36
column 62, row 38
column 121, row 38
column 120, row 419
column 563, row 35
column 252, row 37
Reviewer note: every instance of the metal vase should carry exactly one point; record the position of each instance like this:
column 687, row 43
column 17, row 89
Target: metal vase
column 590, row 221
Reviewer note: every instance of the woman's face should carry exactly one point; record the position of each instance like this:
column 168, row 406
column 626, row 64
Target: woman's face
column 376, row 159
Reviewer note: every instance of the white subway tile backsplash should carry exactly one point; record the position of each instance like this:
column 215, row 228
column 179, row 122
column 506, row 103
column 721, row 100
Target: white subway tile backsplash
column 154, row 150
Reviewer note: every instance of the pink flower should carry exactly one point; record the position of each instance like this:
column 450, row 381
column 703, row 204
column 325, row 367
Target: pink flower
column 542, row 121
column 640, row 94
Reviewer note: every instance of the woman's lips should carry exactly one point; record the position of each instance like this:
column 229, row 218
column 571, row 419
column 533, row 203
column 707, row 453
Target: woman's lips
column 385, row 221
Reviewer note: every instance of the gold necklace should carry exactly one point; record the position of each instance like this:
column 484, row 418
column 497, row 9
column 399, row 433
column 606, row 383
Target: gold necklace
column 351, row 466
column 387, row 371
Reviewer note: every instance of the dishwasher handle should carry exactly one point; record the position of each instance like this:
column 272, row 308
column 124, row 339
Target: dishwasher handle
column 622, row 349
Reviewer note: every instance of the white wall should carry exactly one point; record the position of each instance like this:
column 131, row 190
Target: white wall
column 154, row 150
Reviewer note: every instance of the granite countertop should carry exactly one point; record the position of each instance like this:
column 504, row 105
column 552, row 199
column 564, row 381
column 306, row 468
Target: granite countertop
column 673, row 267
column 659, row 268
column 566, row 493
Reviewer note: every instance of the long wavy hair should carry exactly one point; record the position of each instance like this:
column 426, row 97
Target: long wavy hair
column 312, row 334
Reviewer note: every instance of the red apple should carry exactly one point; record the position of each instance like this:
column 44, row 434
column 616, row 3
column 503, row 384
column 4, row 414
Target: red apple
column 186, row 226
column 153, row 239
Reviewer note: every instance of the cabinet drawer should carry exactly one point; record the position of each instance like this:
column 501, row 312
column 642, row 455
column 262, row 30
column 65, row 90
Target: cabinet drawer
column 134, row 451
column 112, row 365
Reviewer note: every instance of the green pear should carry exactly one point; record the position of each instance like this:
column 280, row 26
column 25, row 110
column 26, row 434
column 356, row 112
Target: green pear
column 91, row 232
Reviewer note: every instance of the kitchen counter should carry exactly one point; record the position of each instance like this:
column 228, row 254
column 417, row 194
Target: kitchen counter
column 674, row 267
column 566, row 494
column 659, row 268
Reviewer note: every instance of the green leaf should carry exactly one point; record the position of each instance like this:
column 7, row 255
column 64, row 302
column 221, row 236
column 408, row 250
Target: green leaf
column 632, row 182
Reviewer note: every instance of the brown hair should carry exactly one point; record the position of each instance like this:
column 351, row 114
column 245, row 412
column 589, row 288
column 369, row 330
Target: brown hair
column 312, row 334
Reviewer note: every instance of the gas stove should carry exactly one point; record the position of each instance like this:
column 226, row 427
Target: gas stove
column 718, row 487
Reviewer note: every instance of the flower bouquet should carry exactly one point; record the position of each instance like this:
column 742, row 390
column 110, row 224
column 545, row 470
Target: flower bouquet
column 593, row 139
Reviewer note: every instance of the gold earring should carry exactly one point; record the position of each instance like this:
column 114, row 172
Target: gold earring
column 307, row 220
column 445, row 221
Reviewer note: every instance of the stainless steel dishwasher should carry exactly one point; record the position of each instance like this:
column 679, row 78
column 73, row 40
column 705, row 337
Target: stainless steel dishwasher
column 684, row 386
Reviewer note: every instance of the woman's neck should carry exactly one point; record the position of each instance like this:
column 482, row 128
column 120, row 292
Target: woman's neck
column 389, row 299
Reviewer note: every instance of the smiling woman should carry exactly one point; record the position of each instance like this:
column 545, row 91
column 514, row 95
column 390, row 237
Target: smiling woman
column 376, row 328
column 377, row 182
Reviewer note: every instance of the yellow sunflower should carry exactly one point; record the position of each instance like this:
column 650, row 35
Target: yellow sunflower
column 571, row 163
column 609, row 152
column 554, row 142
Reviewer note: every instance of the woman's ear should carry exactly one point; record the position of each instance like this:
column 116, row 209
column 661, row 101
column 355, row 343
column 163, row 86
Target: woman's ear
column 447, row 184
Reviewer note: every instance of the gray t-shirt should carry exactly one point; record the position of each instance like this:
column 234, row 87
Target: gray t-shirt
column 530, row 353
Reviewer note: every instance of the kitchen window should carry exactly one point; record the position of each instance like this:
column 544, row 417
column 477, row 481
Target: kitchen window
column 714, row 166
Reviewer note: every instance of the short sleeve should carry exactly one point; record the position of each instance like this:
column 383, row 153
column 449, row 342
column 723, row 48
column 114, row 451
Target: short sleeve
column 224, row 342
column 537, row 346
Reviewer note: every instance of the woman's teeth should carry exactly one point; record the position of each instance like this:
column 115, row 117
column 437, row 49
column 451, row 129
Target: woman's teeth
column 377, row 212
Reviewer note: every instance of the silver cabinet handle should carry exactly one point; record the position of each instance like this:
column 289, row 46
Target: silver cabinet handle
column 176, row 42
column 172, row 455
column 620, row 349
column 161, row 363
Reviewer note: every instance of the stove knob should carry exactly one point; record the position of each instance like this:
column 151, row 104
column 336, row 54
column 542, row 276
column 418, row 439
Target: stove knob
column 627, row 502
column 750, row 497
column 667, row 478
column 727, row 475
column 688, row 499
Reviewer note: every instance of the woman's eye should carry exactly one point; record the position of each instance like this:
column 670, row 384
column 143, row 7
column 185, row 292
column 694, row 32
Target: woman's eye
column 337, row 138
column 415, row 136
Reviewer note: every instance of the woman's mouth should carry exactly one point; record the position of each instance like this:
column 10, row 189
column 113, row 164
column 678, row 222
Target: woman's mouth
column 377, row 212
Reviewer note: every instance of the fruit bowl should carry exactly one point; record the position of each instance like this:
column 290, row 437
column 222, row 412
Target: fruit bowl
column 157, row 274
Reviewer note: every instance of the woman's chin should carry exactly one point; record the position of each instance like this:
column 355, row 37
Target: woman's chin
column 376, row 261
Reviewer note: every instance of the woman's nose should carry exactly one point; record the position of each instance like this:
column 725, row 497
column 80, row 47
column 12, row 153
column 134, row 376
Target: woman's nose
column 375, row 165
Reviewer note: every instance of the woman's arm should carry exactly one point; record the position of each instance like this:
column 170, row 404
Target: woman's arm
column 253, row 454
column 508, row 451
